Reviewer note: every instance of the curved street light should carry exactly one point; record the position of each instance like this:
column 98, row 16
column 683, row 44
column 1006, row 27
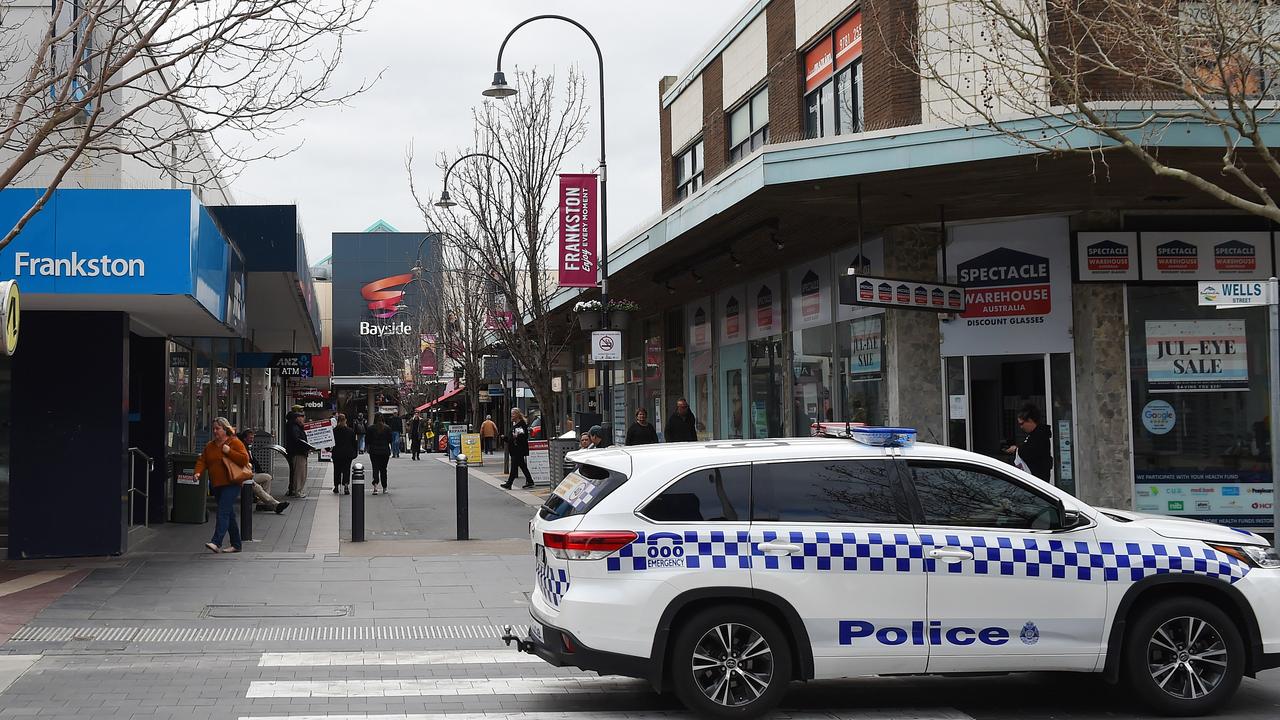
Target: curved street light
column 500, row 89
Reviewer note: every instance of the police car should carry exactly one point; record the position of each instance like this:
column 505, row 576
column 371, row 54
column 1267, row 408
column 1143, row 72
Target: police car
column 726, row 570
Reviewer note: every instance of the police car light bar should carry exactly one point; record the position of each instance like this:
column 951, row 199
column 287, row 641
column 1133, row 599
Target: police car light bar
column 884, row 436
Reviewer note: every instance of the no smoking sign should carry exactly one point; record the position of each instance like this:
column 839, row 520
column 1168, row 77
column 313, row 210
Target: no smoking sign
column 606, row 345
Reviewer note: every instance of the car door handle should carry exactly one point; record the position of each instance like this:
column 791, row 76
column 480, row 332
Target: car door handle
column 777, row 548
column 950, row 555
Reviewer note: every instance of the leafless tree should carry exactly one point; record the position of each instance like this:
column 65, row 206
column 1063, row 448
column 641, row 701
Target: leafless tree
column 509, row 242
column 1113, row 76
column 192, row 88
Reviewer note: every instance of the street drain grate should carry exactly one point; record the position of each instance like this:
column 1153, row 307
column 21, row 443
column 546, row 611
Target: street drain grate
column 275, row 611
column 45, row 634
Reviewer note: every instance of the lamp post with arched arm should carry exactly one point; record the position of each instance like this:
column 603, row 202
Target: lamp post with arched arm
column 500, row 89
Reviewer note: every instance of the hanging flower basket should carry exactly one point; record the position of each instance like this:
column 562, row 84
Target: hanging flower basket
column 619, row 319
column 589, row 320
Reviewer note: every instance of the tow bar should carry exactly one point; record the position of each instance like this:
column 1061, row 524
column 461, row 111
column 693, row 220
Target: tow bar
column 524, row 646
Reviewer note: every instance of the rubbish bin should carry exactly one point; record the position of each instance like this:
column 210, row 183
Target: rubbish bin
column 189, row 490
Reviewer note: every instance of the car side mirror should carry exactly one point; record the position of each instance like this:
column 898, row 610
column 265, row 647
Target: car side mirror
column 1071, row 519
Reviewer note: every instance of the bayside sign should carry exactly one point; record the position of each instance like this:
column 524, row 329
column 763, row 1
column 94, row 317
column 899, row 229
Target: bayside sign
column 578, row 248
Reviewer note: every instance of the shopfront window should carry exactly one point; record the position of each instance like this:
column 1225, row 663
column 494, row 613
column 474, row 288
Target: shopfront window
column 700, row 402
column 202, row 392
column 833, row 82
column 811, row 378
column 765, row 419
column 1198, row 379
column 862, row 369
column 179, row 390
column 733, row 388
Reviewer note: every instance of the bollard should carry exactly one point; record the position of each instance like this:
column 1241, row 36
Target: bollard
column 246, row 511
column 357, row 502
column 464, row 531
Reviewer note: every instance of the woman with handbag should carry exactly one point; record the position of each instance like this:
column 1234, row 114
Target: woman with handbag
column 227, row 461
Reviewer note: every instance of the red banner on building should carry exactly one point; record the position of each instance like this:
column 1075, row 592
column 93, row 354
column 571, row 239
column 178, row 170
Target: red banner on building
column 578, row 241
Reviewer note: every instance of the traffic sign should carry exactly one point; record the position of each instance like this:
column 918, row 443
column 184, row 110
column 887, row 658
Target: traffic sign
column 606, row 345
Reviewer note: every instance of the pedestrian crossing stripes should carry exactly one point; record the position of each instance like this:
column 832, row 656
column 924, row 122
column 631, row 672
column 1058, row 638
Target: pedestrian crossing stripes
column 48, row 634
column 872, row 714
column 421, row 687
column 392, row 657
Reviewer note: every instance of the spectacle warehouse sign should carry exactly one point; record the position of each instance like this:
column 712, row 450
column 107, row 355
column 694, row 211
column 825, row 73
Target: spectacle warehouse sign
column 578, row 242
column 887, row 292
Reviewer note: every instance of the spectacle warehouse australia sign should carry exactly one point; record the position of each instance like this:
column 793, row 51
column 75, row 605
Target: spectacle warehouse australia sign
column 1173, row 256
column 578, row 239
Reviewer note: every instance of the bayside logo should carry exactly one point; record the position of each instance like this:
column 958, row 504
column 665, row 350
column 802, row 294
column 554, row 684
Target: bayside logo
column 1005, row 286
column 368, row 328
column 76, row 266
column 1177, row 256
column 383, row 302
column 1107, row 256
column 1235, row 256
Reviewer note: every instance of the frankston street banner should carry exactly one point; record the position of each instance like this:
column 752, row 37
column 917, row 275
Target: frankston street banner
column 578, row 241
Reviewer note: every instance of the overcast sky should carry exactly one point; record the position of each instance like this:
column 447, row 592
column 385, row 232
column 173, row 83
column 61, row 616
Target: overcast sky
column 436, row 57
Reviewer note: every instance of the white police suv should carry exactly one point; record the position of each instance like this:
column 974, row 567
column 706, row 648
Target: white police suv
column 725, row 570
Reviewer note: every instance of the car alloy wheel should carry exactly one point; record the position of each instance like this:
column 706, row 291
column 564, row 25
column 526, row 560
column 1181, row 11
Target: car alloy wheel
column 1187, row 657
column 732, row 664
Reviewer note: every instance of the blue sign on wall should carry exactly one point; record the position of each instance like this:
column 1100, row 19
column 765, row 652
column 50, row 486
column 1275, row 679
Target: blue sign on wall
column 113, row 242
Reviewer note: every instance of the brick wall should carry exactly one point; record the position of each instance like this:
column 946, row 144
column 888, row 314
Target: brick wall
column 786, row 91
column 714, row 132
column 1099, row 84
column 665, row 165
column 891, row 92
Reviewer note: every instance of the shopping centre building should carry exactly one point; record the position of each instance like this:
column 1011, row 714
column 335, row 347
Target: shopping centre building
column 797, row 154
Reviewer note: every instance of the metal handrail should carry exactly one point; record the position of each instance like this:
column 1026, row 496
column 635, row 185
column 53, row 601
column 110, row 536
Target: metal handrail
column 134, row 454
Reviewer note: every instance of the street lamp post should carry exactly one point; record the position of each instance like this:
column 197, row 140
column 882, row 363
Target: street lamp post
column 500, row 89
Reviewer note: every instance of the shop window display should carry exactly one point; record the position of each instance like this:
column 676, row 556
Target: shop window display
column 1198, row 380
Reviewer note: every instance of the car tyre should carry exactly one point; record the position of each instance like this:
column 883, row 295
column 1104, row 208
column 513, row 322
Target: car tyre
column 1183, row 657
column 730, row 661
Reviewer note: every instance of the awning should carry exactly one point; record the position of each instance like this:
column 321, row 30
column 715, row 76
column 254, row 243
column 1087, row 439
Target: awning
column 440, row 399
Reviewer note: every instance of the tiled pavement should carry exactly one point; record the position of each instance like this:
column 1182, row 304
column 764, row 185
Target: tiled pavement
column 402, row 628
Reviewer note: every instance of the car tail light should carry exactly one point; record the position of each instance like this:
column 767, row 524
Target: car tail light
column 587, row 545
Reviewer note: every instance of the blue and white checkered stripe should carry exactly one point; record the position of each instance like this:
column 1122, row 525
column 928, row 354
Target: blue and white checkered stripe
column 553, row 582
column 1027, row 557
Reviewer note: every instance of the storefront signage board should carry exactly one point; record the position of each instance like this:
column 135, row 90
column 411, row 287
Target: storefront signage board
column 471, row 449
column 319, row 434
column 1107, row 256
column 1185, row 256
column 764, row 307
column 909, row 294
column 699, row 319
column 1196, row 356
column 810, row 286
column 1017, row 284
column 578, row 242
column 731, row 305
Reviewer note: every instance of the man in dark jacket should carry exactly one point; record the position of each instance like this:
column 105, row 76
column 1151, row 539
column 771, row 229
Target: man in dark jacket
column 345, row 449
column 295, row 444
column 397, row 427
column 683, row 426
column 1033, row 443
column 641, row 432
column 415, row 435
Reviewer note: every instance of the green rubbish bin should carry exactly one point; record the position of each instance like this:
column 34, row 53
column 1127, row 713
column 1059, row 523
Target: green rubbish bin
column 190, row 492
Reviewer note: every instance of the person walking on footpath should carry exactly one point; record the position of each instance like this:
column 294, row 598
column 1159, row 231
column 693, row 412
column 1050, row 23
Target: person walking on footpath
column 683, row 426
column 295, row 444
column 261, row 480
column 600, row 437
column 641, row 432
column 415, row 435
column 345, row 449
column 1033, row 445
column 519, row 449
column 378, row 441
column 397, row 429
column 224, row 457
column 361, row 428
column 488, row 434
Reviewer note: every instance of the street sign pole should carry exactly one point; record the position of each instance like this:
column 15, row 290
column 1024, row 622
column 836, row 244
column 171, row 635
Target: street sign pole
column 1273, row 386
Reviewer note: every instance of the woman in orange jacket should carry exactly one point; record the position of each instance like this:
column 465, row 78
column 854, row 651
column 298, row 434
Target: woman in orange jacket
column 224, row 446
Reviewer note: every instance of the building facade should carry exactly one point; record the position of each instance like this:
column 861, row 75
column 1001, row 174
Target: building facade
column 798, row 153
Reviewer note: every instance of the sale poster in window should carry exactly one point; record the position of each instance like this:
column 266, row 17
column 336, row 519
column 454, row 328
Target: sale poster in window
column 1196, row 356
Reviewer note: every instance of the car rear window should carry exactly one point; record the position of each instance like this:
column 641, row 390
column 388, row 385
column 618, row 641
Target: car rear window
column 580, row 491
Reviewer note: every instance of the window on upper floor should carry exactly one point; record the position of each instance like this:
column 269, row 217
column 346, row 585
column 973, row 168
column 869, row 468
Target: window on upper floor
column 833, row 82
column 688, row 171
column 749, row 126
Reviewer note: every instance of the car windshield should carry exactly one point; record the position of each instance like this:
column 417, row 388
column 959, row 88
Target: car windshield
column 580, row 491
